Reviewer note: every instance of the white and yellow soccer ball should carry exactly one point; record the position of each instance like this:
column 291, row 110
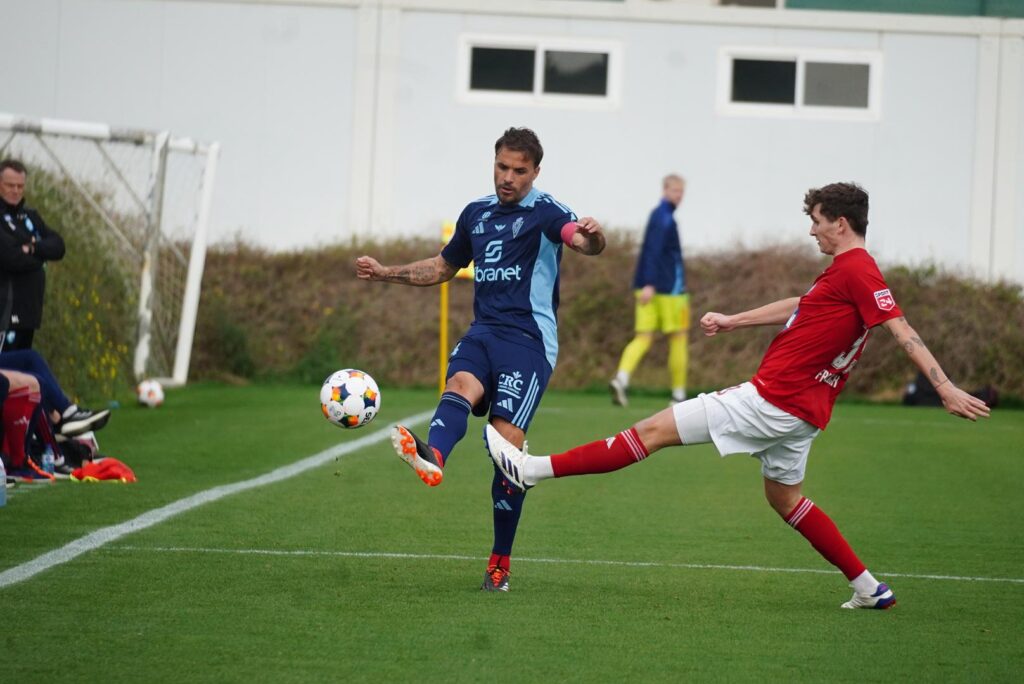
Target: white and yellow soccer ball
column 350, row 398
column 150, row 393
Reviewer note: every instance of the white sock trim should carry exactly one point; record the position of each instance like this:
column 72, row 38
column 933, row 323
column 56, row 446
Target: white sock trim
column 864, row 583
column 537, row 468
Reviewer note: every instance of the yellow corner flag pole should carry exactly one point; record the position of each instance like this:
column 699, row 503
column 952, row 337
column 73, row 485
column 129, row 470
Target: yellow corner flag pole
column 447, row 231
column 443, row 345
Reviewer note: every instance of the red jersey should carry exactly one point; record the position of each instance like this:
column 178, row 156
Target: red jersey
column 807, row 364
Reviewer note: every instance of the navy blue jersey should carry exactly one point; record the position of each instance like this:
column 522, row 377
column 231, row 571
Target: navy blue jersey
column 661, row 256
column 516, row 251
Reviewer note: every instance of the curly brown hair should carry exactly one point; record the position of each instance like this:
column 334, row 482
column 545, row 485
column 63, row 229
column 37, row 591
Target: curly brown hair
column 521, row 140
column 848, row 200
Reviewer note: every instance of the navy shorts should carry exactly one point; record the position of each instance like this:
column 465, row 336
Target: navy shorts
column 514, row 375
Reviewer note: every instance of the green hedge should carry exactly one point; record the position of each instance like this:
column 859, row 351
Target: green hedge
column 304, row 314
column 301, row 315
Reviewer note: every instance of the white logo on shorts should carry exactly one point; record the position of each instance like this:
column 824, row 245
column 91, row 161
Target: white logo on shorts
column 511, row 384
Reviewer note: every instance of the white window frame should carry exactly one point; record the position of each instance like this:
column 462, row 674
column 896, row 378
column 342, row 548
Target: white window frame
column 539, row 44
column 798, row 110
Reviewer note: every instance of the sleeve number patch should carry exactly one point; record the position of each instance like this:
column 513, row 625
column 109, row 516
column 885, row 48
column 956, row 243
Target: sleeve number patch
column 885, row 300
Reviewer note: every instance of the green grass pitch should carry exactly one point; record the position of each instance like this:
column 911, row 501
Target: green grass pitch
column 672, row 570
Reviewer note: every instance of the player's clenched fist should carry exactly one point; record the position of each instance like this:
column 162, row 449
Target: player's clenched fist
column 369, row 268
column 713, row 322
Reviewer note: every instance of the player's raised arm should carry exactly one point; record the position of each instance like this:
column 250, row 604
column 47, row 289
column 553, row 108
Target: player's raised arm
column 584, row 236
column 956, row 401
column 419, row 273
column 775, row 313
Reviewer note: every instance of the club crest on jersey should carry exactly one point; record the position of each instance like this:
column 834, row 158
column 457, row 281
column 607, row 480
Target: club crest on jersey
column 516, row 226
column 885, row 300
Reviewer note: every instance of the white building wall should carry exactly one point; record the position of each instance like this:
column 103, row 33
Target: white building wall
column 1008, row 257
column 272, row 83
column 746, row 175
column 341, row 118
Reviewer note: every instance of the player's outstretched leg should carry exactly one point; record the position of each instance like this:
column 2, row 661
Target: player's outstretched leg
column 426, row 461
column 602, row 456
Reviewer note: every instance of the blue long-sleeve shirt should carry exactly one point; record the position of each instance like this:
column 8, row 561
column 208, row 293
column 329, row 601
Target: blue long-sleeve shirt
column 661, row 255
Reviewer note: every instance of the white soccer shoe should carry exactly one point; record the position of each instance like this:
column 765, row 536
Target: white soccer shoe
column 618, row 391
column 882, row 599
column 507, row 457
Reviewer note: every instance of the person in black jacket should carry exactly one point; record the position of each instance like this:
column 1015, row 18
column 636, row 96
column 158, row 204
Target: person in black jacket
column 26, row 243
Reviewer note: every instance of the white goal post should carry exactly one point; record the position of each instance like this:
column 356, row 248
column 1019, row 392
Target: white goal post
column 152, row 191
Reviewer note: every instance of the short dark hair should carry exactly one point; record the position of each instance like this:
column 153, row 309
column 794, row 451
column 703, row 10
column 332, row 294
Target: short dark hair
column 848, row 200
column 521, row 140
column 13, row 164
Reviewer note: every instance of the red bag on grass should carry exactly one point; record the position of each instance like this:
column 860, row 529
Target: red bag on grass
column 106, row 469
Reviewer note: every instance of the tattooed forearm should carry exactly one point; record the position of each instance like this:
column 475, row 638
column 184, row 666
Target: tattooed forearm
column 420, row 273
column 917, row 350
column 413, row 274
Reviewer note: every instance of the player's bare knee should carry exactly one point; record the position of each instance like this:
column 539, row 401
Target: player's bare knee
column 782, row 497
column 466, row 386
column 658, row 431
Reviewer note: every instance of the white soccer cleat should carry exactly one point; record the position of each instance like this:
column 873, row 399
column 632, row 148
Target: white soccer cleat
column 882, row 599
column 618, row 390
column 509, row 459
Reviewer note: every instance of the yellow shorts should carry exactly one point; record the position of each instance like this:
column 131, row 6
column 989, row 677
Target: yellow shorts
column 665, row 313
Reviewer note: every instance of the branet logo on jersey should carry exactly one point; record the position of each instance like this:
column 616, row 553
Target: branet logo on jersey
column 492, row 254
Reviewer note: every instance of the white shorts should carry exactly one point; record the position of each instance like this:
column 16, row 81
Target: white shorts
column 739, row 421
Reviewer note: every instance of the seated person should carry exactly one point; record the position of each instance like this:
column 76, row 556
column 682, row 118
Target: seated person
column 21, row 397
column 27, row 430
column 68, row 419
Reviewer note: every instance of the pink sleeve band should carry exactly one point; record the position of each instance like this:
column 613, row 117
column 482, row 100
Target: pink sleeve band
column 568, row 230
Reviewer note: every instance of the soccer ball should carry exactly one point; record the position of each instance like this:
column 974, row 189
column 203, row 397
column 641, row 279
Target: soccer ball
column 150, row 393
column 349, row 398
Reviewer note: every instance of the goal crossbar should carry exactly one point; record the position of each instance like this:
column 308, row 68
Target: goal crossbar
column 158, row 144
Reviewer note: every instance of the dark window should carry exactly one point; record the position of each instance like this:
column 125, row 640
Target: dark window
column 502, row 69
column 762, row 80
column 827, row 84
column 575, row 73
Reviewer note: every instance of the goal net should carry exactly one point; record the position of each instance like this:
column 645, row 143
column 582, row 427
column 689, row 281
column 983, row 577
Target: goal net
column 151, row 192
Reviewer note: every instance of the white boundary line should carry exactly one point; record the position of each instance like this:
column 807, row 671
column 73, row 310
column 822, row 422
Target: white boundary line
column 556, row 561
column 105, row 535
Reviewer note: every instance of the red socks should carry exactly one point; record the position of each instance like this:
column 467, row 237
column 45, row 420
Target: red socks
column 824, row 536
column 17, row 414
column 602, row 456
column 499, row 561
